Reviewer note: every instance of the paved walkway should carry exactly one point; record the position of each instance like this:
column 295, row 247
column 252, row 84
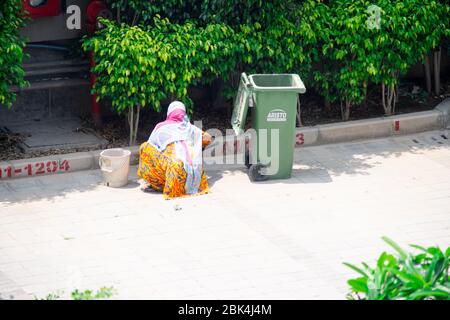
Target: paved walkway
column 283, row 239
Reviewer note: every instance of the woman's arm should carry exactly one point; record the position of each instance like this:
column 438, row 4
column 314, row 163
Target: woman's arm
column 206, row 139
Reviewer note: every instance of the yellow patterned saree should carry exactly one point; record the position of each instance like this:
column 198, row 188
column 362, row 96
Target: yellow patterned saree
column 163, row 172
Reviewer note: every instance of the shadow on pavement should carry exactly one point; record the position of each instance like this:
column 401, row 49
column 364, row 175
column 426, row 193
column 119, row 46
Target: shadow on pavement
column 355, row 158
column 51, row 188
column 216, row 175
column 317, row 164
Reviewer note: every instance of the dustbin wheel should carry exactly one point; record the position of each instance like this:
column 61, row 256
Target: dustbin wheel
column 254, row 173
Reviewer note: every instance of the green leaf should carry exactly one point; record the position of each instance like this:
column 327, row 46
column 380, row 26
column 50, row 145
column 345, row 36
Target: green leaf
column 418, row 247
column 354, row 268
column 428, row 293
column 412, row 280
column 358, row 285
column 438, row 270
column 396, row 247
column 447, row 253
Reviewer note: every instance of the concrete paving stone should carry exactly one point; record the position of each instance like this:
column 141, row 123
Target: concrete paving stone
column 279, row 239
column 55, row 133
column 4, row 188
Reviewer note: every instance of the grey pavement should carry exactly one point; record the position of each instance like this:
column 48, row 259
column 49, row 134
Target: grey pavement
column 278, row 239
column 61, row 133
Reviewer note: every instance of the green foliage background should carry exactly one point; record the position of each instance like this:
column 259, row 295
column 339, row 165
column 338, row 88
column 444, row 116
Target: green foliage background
column 144, row 65
column 11, row 50
column 328, row 43
column 157, row 49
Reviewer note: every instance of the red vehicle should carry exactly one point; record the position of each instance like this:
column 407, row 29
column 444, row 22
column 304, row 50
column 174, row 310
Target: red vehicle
column 42, row 8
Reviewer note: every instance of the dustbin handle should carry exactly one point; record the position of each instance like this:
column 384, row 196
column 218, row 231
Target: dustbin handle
column 248, row 86
column 245, row 79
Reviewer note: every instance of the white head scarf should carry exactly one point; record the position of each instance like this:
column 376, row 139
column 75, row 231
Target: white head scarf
column 176, row 105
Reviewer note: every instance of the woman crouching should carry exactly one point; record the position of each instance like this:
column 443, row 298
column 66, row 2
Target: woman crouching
column 171, row 160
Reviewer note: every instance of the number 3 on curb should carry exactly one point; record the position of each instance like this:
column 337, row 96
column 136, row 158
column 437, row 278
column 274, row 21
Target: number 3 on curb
column 300, row 139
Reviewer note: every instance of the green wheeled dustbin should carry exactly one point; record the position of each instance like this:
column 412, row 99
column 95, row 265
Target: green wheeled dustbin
column 273, row 101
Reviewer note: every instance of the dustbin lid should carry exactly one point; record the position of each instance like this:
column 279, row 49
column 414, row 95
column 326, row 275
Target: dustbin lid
column 240, row 107
column 277, row 82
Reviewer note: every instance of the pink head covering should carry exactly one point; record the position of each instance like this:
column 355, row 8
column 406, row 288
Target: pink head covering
column 175, row 114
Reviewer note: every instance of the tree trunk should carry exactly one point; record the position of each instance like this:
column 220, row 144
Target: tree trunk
column 427, row 73
column 135, row 18
column 131, row 122
column 388, row 98
column 136, row 124
column 327, row 105
column 437, row 71
column 395, row 97
column 345, row 110
column 299, row 115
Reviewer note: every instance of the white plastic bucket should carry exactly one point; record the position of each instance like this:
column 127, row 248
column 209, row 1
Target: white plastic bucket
column 115, row 166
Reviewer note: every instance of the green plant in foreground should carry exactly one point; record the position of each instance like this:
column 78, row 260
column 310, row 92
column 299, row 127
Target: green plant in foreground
column 52, row 296
column 100, row 294
column 406, row 276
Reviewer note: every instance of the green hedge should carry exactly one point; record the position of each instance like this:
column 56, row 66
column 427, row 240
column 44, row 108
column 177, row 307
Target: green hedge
column 373, row 41
column 11, row 50
column 199, row 51
column 139, row 66
column 339, row 47
column 230, row 12
column 328, row 42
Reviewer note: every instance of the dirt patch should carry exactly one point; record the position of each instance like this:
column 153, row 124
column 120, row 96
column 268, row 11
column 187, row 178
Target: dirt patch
column 8, row 145
column 412, row 98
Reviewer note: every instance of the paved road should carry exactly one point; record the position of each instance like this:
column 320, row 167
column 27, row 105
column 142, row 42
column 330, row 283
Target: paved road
column 284, row 239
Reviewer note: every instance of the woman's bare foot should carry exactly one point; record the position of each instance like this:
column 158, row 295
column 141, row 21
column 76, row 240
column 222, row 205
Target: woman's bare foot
column 146, row 187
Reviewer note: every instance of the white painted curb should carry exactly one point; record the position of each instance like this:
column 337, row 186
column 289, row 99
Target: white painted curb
column 444, row 108
column 370, row 128
column 55, row 164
